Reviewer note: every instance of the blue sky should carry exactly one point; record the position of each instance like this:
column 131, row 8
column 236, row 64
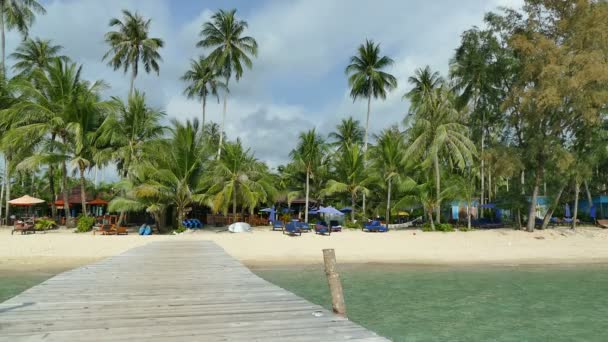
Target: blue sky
column 297, row 81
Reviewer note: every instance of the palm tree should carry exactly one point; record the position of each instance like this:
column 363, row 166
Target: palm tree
column 423, row 83
column 17, row 14
column 127, row 130
column 388, row 160
column 131, row 44
column 351, row 175
column 425, row 194
column 308, row 154
column 203, row 80
column 238, row 175
column 230, row 50
column 50, row 103
column 176, row 166
column 437, row 130
column 35, row 53
column 366, row 78
column 348, row 132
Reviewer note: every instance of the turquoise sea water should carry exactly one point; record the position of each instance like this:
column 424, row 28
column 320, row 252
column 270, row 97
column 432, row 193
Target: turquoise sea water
column 410, row 303
column 11, row 284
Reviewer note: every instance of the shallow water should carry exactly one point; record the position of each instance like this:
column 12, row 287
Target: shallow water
column 520, row 303
column 11, row 284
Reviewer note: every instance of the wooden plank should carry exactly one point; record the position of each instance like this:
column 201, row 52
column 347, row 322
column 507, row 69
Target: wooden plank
column 169, row 291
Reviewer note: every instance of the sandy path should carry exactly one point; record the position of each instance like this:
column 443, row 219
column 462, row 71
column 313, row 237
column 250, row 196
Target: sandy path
column 263, row 247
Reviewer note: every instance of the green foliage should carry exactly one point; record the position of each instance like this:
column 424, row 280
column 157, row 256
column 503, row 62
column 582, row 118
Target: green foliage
column 180, row 229
column 85, row 224
column 352, row 225
column 45, row 224
column 442, row 227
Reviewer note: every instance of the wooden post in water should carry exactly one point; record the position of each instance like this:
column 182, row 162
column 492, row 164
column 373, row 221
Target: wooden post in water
column 333, row 279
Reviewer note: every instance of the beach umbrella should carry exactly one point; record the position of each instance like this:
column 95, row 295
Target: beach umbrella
column 567, row 211
column 266, row 210
column 25, row 201
column 346, row 209
column 330, row 211
column 239, row 227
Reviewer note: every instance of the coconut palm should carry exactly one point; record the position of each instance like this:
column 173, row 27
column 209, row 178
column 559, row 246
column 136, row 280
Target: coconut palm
column 238, row 175
column 50, row 103
column 437, row 132
column 367, row 79
column 423, row 82
column 131, row 44
column 308, row 154
column 128, row 129
column 388, row 160
column 203, row 80
column 35, row 53
column 231, row 50
column 350, row 174
column 348, row 132
column 19, row 15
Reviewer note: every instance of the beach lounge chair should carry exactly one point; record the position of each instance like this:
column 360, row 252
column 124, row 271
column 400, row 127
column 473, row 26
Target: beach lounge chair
column 277, row 225
column 303, row 226
column 322, row 228
column 121, row 231
column 197, row 223
column 602, row 223
column 23, row 228
column 375, row 226
column 292, row 229
column 335, row 226
column 106, row 229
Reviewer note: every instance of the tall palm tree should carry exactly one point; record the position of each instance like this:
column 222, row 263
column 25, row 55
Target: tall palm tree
column 367, row 79
column 19, row 15
column 203, row 80
column 388, row 160
column 127, row 131
column 351, row 176
column 35, row 53
column 348, row 132
column 224, row 33
column 238, row 175
column 437, row 130
column 9, row 96
column 131, row 44
column 423, row 82
column 308, row 154
column 50, row 103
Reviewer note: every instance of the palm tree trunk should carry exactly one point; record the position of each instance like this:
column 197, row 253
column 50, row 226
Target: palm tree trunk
column 204, row 113
column 533, row 199
column 131, row 88
column 2, row 196
column 577, row 189
column 468, row 215
column 489, row 185
column 352, row 207
column 66, row 196
column 307, row 193
column 430, row 214
column 83, row 192
column 52, row 190
column 219, row 148
column 549, row 213
column 388, row 202
column 234, row 203
column 369, row 110
column 438, row 187
column 2, row 34
column 7, row 182
column 589, row 198
column 482, row 167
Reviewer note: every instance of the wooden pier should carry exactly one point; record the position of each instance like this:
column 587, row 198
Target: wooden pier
column 169, row 291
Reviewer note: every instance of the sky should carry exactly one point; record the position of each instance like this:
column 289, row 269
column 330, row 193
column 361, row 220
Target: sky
column 297, row 81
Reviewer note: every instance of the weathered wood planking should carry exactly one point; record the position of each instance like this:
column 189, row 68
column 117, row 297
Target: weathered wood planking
column 168, row 291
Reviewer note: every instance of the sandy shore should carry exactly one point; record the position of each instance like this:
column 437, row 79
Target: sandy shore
column 64, row 249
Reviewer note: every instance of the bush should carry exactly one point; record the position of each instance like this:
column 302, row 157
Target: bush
column 352, row 225
column 45, row 224
column 181, row 229
column 442, row 227
column 85, row 224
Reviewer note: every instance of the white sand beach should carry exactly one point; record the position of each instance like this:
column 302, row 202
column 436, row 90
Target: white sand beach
column 64, row 249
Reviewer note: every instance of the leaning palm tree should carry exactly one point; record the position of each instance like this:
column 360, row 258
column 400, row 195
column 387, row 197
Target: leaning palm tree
column 367, row 79
column 131, row 44
column 348, row 132
column 308, row 154
column 35, row 54
column 203, row 80
column 351, row 176
column 17, row 14
column 437, row 131
column 423, row 82
column 224, row 33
